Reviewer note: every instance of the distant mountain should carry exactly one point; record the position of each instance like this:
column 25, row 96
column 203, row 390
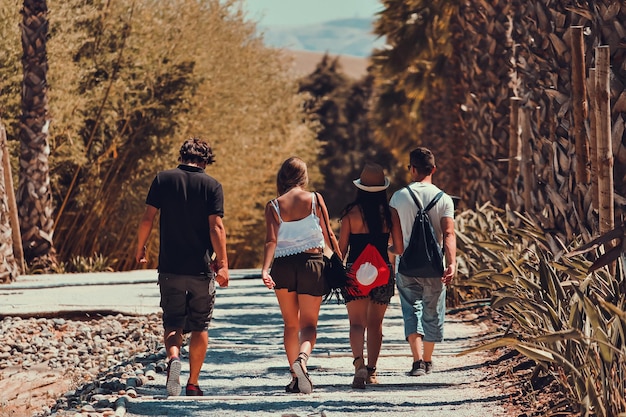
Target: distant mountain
column 337, row 37
column 304, row 63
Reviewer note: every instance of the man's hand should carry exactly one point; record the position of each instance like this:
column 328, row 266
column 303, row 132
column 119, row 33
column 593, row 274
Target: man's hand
column 222, row 277
column 448, row 274
column 140, row 255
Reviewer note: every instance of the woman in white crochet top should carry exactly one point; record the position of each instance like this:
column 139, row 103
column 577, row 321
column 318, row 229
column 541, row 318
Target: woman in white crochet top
column 293, row 248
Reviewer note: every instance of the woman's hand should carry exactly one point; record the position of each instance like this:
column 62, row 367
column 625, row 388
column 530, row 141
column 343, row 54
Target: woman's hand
column 267, row 279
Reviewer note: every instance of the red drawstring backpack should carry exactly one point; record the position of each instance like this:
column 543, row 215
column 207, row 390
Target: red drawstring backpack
column 368, row 271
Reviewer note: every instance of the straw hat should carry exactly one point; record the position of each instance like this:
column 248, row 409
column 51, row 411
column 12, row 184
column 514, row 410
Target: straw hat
column 372, row 179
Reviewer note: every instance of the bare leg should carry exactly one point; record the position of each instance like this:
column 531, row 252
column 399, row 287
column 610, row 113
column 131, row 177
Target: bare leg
column 173, row 341
column 357, row 315
column 288, row 302
column 375, row 315
column 429, row 347
column 197, row 353
column 417, row 347
column 309, row 314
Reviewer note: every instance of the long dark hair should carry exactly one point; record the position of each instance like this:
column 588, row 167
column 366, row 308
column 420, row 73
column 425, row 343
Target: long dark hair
column 374, row 208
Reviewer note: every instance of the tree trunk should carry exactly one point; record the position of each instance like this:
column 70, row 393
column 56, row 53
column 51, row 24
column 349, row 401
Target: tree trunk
column 9, row 267
column 34, row 195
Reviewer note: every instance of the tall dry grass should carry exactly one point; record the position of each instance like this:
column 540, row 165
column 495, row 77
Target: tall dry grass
column 571, row 322
column 129, row 81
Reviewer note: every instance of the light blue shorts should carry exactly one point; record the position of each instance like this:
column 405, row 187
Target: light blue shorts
column 423, row 302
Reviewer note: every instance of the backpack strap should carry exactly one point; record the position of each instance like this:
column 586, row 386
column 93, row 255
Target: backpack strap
column 419, row 206
column 435, row 199
column 430, row 205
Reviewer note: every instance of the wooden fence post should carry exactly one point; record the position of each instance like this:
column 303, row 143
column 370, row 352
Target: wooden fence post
column 591, row 88
column 579, row 99
column 605, row 146
column 527, row 161
column 515, row 150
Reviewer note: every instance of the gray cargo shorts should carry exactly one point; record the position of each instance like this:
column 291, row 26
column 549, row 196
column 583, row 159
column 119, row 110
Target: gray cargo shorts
column 187, row 301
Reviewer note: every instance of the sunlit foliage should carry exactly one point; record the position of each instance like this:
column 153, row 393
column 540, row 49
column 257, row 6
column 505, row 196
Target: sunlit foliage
column 129, row 81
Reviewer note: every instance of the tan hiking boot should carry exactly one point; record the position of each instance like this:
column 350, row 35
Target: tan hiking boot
column 360, row 373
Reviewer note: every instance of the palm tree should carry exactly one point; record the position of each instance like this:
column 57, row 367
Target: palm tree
column 9, row 268
column 417, row 36
column 34, row 196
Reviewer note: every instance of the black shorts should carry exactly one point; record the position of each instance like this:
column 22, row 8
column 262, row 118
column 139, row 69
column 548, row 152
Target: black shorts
column 301, row 273
column 187, row 301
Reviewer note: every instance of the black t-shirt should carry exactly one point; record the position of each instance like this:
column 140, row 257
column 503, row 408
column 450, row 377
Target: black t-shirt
column 186, row 196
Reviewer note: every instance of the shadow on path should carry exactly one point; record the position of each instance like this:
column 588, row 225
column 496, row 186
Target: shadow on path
column 246, row 370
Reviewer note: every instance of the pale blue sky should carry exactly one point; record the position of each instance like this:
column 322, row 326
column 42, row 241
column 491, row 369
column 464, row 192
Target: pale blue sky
column 304, row 12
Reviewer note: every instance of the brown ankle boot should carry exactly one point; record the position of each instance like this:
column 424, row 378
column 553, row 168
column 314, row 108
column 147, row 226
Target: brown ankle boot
column 360, row 373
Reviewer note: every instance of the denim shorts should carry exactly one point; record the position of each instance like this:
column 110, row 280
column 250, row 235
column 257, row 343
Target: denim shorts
column 187, row 301
column 423, row 302
column 302, row 273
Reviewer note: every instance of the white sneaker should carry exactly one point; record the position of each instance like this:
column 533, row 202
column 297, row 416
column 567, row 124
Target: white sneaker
column 173, row 377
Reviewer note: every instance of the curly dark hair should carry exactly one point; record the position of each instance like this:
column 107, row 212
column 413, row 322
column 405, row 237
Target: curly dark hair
column 196, row 151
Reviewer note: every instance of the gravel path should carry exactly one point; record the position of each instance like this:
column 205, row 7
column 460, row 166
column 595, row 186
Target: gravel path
column 113, row 365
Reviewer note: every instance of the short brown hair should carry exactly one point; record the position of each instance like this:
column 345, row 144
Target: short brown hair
column 292, row 173
column 423, row 160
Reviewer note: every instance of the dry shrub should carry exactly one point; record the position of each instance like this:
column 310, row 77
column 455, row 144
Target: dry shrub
column 130, row 81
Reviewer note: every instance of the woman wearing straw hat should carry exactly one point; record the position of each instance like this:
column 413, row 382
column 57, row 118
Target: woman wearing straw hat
column 366, row 228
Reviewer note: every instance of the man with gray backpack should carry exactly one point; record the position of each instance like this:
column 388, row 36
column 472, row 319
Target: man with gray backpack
column 426, row 216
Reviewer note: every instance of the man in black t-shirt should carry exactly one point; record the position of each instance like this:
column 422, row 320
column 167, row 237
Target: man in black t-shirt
column 191, row 205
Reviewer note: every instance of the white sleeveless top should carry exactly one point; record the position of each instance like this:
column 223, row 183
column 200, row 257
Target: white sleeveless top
column 298, row 235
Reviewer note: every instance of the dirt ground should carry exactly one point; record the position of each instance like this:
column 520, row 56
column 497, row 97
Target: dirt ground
column 25, row 392
column 531, row 391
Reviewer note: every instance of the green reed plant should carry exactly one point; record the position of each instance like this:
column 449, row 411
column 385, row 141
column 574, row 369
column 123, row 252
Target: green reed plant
column 570, row 321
